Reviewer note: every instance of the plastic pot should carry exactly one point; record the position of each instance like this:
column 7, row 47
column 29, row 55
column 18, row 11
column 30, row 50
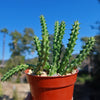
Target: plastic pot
column 52, row 87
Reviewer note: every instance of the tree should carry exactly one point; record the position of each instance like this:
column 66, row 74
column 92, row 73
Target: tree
column 28, row 41
column 22, row 43
column 4, row 31
column 15, row 45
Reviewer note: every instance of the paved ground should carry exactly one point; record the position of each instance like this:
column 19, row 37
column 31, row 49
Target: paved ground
column 8, row 88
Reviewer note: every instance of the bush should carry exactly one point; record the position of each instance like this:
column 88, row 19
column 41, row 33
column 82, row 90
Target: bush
column 83, row 79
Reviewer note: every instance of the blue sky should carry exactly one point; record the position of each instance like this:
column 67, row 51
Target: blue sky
column 18, row 14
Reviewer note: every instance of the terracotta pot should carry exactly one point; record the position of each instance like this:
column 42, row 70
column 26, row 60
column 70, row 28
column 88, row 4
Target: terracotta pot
column 52, row 87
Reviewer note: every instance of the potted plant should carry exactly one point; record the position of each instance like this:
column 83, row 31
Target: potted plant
column 54, row 81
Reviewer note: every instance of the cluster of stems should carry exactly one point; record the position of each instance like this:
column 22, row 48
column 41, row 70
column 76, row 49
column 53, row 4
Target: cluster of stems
column 82, row 55
column 60, row 65
column 73, row 37
column 63, row 65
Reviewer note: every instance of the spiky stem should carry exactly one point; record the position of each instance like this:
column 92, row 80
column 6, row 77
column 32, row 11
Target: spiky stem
column 70, row 46
column 53, row 68
column 57, row 44
column 83, row 54
column 15, row 70
column 59, row 41
column 44, row 43
column 38, row 46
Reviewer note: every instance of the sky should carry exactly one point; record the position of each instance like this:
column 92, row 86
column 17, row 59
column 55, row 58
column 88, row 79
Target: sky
column 19, row 14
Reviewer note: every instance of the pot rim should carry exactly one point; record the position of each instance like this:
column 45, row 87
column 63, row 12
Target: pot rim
column 38, row 76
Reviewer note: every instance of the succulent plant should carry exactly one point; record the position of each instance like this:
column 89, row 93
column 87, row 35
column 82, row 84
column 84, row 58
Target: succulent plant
column 61, row 66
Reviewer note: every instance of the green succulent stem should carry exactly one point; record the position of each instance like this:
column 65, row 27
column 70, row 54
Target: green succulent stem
column 53, row 69
column 73, row 37
column 16, row 70
column 83, row 54
column 56, row 33
column 57, row 44
column 44, row 44
column 38, row 46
